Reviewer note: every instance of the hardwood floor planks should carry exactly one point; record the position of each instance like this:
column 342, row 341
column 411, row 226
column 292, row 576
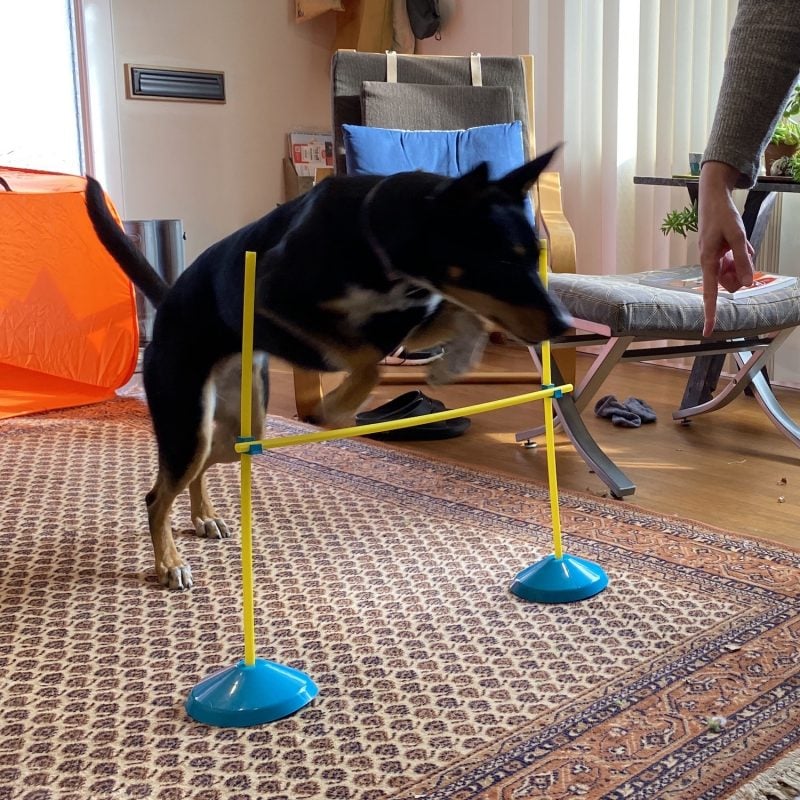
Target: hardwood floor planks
column 725, row 469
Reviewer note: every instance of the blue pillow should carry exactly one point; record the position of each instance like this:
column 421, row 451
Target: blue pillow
column 385, row 151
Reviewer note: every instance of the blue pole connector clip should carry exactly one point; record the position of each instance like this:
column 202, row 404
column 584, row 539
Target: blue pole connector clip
column 255, row 449
column 557, row 393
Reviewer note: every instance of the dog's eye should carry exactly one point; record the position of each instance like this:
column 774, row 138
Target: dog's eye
column 520, row 250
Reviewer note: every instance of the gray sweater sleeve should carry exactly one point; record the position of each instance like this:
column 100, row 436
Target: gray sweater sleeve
column 761, row 69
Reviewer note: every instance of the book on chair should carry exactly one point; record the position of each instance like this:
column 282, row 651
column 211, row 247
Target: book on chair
column 691, row 280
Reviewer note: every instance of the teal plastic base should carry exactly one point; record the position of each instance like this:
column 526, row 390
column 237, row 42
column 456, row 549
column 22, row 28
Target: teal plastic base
column 559, row 580
column 240, row 696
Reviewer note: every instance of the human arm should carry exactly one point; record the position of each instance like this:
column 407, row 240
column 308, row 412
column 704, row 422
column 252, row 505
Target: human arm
column 761, row 70
column 726, row 256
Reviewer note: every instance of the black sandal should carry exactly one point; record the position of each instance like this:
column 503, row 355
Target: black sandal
column 413, row 404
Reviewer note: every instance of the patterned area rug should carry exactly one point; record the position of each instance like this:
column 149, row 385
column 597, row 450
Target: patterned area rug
column 385, row 577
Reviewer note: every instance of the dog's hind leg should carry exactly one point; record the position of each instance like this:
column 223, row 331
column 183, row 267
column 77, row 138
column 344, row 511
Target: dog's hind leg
column 182, row 466
column 170, row 569
column 207, row 522
column 201, row 434
column 225, row 426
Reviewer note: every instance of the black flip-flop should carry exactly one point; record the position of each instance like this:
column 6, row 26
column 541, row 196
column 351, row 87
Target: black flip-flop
column 413, row 404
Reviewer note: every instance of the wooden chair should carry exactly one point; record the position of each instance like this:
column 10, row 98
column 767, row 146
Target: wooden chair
column 438, row 93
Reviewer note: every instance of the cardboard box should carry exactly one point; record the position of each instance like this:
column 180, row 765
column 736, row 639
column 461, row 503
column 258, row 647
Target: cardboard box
column 295, row 185
column 308, row 151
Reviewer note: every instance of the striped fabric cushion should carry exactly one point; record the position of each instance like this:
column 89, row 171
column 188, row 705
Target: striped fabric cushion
column 420, row 106
column 628, row 307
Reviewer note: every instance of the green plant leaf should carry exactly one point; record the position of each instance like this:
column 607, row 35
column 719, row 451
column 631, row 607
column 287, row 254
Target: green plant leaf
column 794, row 103
column 787, row 131
column 794, row 166
column 680, row 222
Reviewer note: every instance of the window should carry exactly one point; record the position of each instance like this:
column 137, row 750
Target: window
column 41, row 127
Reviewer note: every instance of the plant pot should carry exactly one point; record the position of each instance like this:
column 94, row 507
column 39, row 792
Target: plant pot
column 776, row 151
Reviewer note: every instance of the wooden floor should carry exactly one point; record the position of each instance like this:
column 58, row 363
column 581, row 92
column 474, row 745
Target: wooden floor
column 731, row 469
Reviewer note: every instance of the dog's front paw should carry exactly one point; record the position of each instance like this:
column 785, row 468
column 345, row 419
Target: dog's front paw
column 176, row 578
column 441, row 372
column 211, row 528
column 330, row 418
column 317, row 415
column 449, row 367
column 460, row 355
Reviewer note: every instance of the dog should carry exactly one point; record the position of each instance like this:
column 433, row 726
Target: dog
column 345, row 274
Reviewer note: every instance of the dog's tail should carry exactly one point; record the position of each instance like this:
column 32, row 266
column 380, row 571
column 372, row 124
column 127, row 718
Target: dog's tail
column 119, row 245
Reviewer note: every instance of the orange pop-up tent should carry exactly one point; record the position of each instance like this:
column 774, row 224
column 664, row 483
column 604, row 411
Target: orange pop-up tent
column 68, row 326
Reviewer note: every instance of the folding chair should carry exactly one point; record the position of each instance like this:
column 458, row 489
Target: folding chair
column 620, row 312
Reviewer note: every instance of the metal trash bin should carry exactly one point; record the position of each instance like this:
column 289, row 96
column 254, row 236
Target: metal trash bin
column 161, row 242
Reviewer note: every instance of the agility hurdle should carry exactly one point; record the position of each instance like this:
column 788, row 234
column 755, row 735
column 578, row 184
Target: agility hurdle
column 256, row 691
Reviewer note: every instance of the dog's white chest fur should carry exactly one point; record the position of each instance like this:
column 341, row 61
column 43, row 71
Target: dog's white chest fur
column 358, row 304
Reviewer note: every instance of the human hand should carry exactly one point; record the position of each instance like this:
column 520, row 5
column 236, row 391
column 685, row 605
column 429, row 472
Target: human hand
column 726, row 256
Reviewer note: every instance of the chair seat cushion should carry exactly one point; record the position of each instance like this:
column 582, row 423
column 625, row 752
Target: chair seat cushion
column 631, row 308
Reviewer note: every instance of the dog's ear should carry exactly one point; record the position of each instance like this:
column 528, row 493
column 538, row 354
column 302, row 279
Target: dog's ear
column 465, row 190
column 517, row 182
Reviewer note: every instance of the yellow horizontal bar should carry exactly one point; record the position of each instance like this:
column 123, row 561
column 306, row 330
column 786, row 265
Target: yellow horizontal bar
column 407, row 422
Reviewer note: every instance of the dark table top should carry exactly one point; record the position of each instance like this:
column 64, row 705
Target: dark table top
column 763, row 183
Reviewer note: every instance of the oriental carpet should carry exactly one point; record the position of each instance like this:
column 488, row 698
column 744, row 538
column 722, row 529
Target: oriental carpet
column 385, row 577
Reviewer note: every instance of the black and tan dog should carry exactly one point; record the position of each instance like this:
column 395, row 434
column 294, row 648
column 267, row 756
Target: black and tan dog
column 345, row 274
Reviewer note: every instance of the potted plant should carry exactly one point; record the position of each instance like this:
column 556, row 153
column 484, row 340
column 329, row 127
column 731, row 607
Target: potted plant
column 787, row 166
column 785, row 139
column 781, row 158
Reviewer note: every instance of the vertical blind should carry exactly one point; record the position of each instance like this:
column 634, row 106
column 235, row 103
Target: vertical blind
column 640, row 83
column 630, row 87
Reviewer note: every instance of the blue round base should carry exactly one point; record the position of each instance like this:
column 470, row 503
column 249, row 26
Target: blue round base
column 559, row 580
column 243, row 695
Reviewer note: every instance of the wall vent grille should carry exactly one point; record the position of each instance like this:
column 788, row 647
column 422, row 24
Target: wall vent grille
column 158, row 83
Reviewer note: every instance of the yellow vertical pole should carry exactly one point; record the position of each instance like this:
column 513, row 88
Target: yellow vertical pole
column 248, row 613
column 549, row 429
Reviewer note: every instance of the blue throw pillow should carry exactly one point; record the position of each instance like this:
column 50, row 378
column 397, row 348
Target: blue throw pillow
column 385, row 151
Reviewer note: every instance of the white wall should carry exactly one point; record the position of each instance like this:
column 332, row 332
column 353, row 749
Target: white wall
column 472, row 26
column 216, row 167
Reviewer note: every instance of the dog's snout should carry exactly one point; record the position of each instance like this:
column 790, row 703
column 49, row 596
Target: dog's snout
column 559, row 321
